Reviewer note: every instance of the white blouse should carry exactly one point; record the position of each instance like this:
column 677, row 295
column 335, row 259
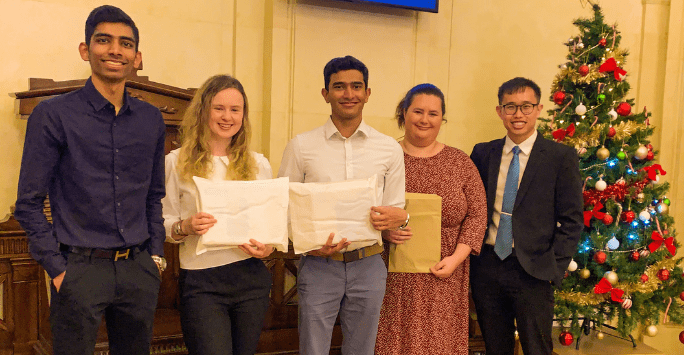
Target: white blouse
column 180, row 203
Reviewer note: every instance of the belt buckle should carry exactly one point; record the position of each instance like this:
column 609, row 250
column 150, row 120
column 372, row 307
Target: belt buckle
column 353, row 255
column 119, row 254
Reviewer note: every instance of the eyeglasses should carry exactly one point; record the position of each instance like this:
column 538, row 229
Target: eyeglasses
column 511, row 109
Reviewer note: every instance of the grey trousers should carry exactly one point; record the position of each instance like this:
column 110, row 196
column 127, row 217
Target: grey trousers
column 355, row 290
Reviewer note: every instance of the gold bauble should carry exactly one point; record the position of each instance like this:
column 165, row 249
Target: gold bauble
column 584, row 273
column 600, row 335
column 640, row 197
column 603, row 153
column 662, row 208
column 652, row 330
column 612, row 277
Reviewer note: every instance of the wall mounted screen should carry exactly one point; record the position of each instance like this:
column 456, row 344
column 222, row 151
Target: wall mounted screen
column 420, row 5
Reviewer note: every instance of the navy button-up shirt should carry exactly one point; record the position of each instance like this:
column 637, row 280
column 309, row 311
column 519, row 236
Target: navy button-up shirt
column 104, row 173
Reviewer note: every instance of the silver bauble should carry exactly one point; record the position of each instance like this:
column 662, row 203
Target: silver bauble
column 641, row 152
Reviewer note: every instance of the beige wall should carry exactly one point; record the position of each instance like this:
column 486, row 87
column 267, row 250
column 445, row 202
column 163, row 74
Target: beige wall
column 278, row 48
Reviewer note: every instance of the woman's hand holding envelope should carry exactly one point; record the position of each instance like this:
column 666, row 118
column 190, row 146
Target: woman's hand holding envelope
column 398, row 236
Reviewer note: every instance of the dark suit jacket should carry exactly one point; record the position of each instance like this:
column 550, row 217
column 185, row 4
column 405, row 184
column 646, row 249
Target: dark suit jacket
column 547, row 215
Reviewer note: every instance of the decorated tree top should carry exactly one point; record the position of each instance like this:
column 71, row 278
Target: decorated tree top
column 624, row 267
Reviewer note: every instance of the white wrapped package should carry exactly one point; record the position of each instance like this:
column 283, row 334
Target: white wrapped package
column 343, row 208
column 243, row 210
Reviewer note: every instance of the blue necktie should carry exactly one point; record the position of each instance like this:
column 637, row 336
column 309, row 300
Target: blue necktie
column 504, row 237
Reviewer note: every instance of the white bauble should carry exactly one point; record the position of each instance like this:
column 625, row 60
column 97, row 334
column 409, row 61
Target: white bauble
column 573, row 266
column 580, row 109
column 651, row 330
column 644, row 215
column 600, row 185
column 657, row 180
column 641, row 152
column 613, row 115
column 613, row 244
column 612, row 277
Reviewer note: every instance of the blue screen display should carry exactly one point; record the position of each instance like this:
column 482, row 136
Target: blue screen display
column 424, row 5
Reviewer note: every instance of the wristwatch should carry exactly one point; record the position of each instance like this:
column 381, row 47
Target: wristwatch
column 160, row 261
column 178, row 228
column 403, row 226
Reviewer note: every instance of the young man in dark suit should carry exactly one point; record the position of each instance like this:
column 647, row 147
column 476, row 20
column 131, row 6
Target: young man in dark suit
column 534, row 200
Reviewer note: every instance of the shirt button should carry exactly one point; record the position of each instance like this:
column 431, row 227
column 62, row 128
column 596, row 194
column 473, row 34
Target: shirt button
column 116, row 177
column 116, row 150
column 114, row 124
column 118, row 204
column 121, row 230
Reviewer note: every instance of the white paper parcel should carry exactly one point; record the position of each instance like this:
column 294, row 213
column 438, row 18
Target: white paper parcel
column 243, row 210
column 320, row 208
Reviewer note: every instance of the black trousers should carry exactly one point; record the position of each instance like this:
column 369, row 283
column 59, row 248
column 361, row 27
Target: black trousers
column 504, row 294
column 124, row 291
column 223, row 308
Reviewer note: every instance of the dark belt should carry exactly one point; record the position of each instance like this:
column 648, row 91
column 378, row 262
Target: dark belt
column 358, row 254
column 113, row 254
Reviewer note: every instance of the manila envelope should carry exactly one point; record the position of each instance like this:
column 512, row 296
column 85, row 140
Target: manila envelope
column 423, row 250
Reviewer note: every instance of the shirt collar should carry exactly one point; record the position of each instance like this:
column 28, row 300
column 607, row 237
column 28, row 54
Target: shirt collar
column 331, row 130
column 525, row 146
column 98, row 101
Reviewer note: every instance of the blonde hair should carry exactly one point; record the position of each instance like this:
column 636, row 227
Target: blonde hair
column 195, row 157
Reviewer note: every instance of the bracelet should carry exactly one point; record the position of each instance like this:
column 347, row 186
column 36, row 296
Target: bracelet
column 403, row 226
column 178, row 228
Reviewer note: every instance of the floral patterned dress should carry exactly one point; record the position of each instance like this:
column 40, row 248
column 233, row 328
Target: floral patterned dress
column 422, row 314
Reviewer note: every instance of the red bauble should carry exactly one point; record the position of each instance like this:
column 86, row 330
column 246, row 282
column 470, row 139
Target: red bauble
column 681, row 337
column 611, row 132
column 607, row 219
column 565, row 276
column 624, row 109
column 566, row 338
column 583, row 69
column 602, row 42
column 559, row 97
column 681, row 296
column 600, row 257
column 644, row 278
column 634, row 256
column 628, row 216
column 649, row 146
column 664, row 274
column 649, row 155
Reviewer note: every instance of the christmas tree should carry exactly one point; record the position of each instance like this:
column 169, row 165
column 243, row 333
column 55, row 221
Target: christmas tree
column 624, row 271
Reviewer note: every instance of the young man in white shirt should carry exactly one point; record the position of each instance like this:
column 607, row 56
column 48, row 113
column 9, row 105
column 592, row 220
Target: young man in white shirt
column 346, row 278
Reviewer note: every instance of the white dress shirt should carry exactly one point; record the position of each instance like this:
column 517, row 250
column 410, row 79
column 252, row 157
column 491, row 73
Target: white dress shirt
column 506, row 157
column 180, row 203
column 324, row 155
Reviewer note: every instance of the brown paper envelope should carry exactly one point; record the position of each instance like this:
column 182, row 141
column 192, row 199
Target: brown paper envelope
column 423, row 250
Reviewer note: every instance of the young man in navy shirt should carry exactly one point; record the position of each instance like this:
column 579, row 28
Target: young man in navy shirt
column 99, row 154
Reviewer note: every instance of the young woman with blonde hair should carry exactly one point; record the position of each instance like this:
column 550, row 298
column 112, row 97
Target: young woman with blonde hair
column 224, row 293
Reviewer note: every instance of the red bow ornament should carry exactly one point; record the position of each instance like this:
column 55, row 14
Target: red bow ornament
column 611, row 65
column 653, row 170
column 658, row 241
column 604, row 287
column 560, row 133
column 596, row 212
